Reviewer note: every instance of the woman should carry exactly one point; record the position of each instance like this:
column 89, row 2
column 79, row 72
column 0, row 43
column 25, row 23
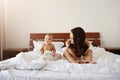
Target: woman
column 78, row 47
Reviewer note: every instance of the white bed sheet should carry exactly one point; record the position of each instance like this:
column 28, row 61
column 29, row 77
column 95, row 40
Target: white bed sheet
column 107, row 68
column 51, row 75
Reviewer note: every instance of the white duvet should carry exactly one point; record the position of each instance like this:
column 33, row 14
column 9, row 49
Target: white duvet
column 107, row 63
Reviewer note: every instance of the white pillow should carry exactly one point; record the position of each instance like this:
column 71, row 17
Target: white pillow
column 38, row 44
column 58, row 45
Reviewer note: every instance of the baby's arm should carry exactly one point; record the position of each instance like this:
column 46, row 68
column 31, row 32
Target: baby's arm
column 54, row 50
column 42, row 49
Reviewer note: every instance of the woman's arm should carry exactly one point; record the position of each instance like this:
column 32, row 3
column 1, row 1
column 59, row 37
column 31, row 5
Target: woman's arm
column 69, row 55
column 88, row 57
column 68, row 52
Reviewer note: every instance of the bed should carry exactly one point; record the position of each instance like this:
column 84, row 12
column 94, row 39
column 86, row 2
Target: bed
column 29, row 66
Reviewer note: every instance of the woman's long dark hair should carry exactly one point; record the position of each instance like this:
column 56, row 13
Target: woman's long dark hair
column 79, row 41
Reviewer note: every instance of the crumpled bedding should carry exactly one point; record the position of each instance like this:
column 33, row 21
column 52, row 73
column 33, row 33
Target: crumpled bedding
column 107, row 63
column 49, row 55
column 24, row 60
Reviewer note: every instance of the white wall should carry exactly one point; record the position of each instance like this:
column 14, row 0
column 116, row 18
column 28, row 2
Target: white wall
column 23, row 17
column 0, row 26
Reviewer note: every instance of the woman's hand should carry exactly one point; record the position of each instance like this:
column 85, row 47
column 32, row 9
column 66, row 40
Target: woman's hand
column 87, row 62
column 79, row 61
column 68, row 42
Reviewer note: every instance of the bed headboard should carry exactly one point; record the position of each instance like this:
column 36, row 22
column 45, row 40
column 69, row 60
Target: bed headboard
column 92, row 36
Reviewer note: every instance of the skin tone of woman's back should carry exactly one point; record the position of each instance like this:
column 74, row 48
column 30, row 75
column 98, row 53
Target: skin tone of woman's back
column 78, row 47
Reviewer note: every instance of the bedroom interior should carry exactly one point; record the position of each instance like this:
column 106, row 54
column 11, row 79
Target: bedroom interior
column 25, row 21
column 20, row 19
column 30, row 66
column 62, row 37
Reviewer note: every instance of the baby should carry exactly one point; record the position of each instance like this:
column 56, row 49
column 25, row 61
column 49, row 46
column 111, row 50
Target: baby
column 48, row 49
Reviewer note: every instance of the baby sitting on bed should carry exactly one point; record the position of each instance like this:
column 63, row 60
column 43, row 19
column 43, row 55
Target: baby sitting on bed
column 48, row 50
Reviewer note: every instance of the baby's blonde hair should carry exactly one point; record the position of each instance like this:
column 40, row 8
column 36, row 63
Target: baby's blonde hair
column 48, row 34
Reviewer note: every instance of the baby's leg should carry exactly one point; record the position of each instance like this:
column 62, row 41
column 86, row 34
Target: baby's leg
column 93, row 62
column 58, row 56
